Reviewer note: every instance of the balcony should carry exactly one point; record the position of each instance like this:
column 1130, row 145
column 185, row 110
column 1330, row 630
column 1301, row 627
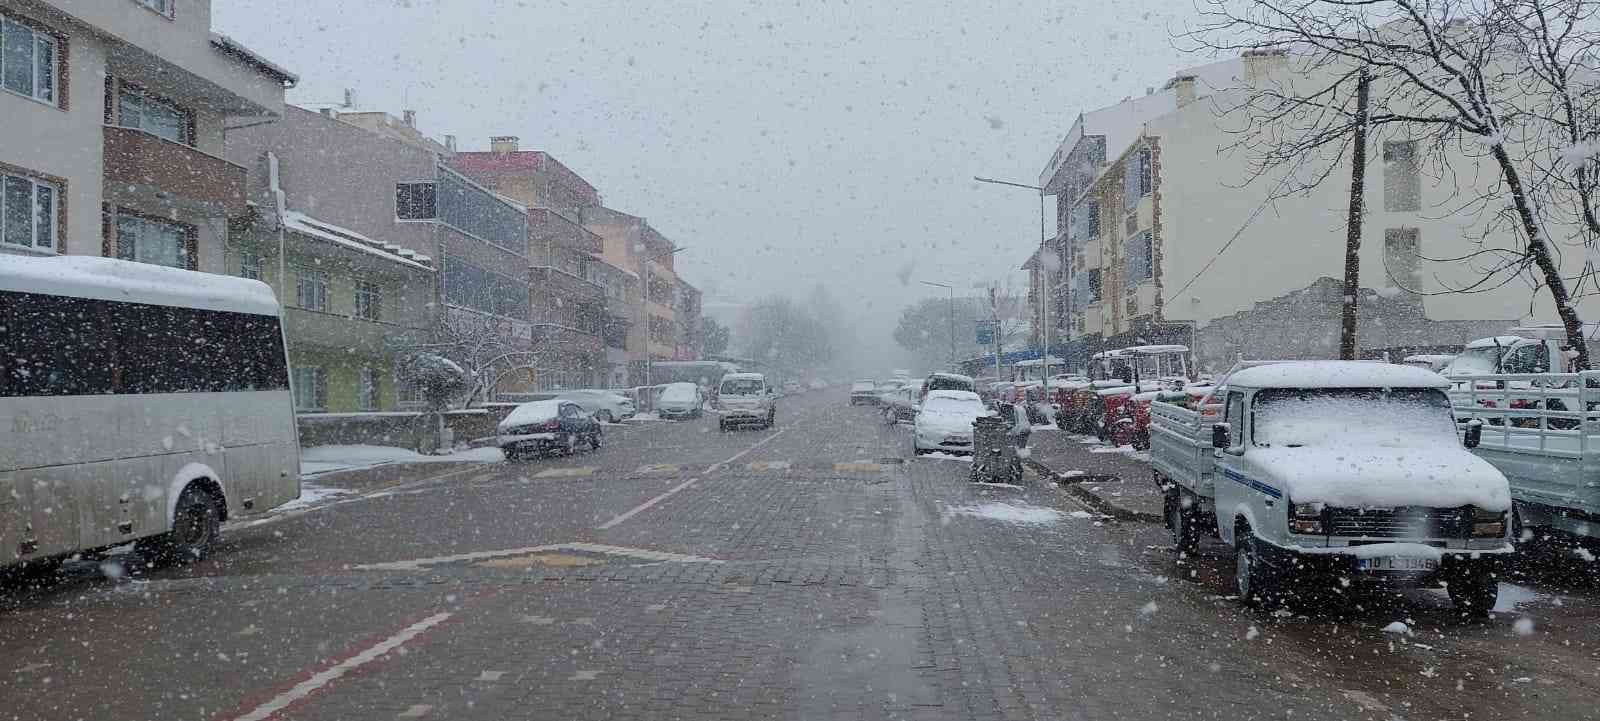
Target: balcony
column 136, row 159
column 346, row 334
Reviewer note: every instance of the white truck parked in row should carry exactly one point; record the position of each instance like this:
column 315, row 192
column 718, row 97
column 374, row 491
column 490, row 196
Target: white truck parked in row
column 1538, row 423
column 1350, row 471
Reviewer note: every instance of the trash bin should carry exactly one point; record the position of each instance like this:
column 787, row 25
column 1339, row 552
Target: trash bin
column 994, row 452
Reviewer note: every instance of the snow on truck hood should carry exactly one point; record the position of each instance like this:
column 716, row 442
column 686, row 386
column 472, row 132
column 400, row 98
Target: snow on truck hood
column 1366, row 476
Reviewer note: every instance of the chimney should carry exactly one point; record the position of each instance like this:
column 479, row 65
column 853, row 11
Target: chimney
column 503, row 144
column 450, row 143
column 1261, row 63
column 410, row 118
column 329, row 113
column 1183, row 87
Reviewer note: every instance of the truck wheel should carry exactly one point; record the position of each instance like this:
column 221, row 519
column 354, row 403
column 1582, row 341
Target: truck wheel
column 1474, row 596
column 1251, row 577
column 1180, row 520
column 196, row 523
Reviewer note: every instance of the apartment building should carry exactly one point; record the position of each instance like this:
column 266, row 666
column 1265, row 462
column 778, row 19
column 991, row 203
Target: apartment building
column 691, row 338
column 466, row 250
column 1163, row 242
column 116, row 113
column 630, row 243
column 568, row 304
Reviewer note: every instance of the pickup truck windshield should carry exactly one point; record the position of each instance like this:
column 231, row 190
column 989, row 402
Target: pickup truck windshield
column 1326, row 417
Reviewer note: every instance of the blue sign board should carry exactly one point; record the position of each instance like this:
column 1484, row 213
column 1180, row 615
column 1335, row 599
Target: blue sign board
column 985, row 332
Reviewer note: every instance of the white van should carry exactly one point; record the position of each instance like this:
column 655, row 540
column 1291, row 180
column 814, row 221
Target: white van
column 746, row 399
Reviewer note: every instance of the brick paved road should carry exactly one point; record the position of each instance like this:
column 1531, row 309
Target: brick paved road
column 680, row 572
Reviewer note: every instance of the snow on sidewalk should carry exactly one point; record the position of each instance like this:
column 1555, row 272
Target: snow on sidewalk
column 317, row 460
column 1018, row 513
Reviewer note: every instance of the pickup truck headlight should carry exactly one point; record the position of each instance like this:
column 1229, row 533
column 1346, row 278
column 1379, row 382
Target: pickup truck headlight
column 1488, row 524
column 1305, row 518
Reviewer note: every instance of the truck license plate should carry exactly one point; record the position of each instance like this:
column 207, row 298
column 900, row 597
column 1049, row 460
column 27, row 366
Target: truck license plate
column 1397, row 563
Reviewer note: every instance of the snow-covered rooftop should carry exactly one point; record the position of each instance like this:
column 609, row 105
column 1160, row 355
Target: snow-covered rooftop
column 81, row 276
column 1337, row 374
column 298, row 222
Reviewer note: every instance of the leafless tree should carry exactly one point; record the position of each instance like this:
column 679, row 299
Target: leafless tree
column 1507, row 82
column 487, row 349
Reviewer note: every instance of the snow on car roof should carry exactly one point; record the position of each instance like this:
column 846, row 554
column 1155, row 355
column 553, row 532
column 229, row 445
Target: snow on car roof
column 952, row 376
column 81, row 276
column 954, row 395
column 532, row 412
column 1337, row 374
column 743, row 376
column 1500, row 340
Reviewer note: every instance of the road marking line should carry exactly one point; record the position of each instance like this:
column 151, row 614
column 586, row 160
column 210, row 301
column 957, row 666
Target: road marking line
column 636, row 510
column 584, row 676
column 565, row 472
column 658, row 468
column 417, row 711
column 332, row 673
column 537, row 620
column 418, row 564
column 490, row 675
column 859, row 466
column 768, row 466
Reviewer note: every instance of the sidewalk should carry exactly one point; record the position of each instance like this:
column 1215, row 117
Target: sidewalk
column 1116, row 482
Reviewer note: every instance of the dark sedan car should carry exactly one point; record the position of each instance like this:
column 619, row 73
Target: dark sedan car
column 864, row 392
column 553, row 426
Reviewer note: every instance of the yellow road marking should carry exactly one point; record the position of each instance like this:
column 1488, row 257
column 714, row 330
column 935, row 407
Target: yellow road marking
column 859, row 467
column 565, row 472
column 769, row 466
column 658, row 468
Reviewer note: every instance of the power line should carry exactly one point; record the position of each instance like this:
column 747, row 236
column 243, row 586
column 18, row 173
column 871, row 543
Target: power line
column 1247, row 221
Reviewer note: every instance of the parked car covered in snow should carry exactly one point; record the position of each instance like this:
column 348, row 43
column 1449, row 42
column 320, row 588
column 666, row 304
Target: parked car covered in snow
column 899, row 404
column 552, row 426
column 606, row 406
column 864, row 392
column 1347, row 471
column 944, row 422
column 680, row 400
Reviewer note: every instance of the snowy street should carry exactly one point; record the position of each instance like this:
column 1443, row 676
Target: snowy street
column 812, row 571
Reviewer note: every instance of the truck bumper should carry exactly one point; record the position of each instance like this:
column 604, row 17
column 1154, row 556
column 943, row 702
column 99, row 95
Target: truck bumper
column 1347, row 568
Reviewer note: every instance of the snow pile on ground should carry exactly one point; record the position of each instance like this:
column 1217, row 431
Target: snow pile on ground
column 650, row 416
column 312, row 494
column 317, row 460
column 1398, row 627
column 942, row 456
column 1018, row 513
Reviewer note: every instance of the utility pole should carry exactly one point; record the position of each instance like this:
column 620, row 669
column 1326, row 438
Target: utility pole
column 994, row 314
column 1352, row 245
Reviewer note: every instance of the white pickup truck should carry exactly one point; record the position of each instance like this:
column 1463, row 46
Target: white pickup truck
column 1542, row 431
column 1349, row 471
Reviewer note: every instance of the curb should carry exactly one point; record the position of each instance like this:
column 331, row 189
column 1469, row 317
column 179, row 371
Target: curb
column 1074, row 486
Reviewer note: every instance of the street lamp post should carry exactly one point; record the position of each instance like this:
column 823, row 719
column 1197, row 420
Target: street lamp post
column 650, row 359
column 952, row 313
column 1044, row 270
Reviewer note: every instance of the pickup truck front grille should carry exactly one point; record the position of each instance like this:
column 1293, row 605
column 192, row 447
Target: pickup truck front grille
column 1401, row 522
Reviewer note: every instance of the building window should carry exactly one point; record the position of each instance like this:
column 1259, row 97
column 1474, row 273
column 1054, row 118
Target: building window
column 310, row 388
column 369, row 301
column 1092, row 211
column 1135, row 178
column 1402, row 183
column 311, row 290
column 28, row 212
column 415, row 201
column 1093, row 285
column 407, row 393
column 250, row 265
column 367, row 392
column 164, row 7
column 28, row 61
column 1400, row 258
column 1137, row 256
column 158, row 242
column 156, row 117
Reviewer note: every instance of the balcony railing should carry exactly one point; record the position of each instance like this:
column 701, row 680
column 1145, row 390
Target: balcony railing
column 138, row 159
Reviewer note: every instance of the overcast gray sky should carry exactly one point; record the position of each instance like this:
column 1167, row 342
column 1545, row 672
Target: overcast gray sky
column 784, row 144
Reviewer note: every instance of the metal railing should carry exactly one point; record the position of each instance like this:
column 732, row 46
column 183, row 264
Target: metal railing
column 1555, row 414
